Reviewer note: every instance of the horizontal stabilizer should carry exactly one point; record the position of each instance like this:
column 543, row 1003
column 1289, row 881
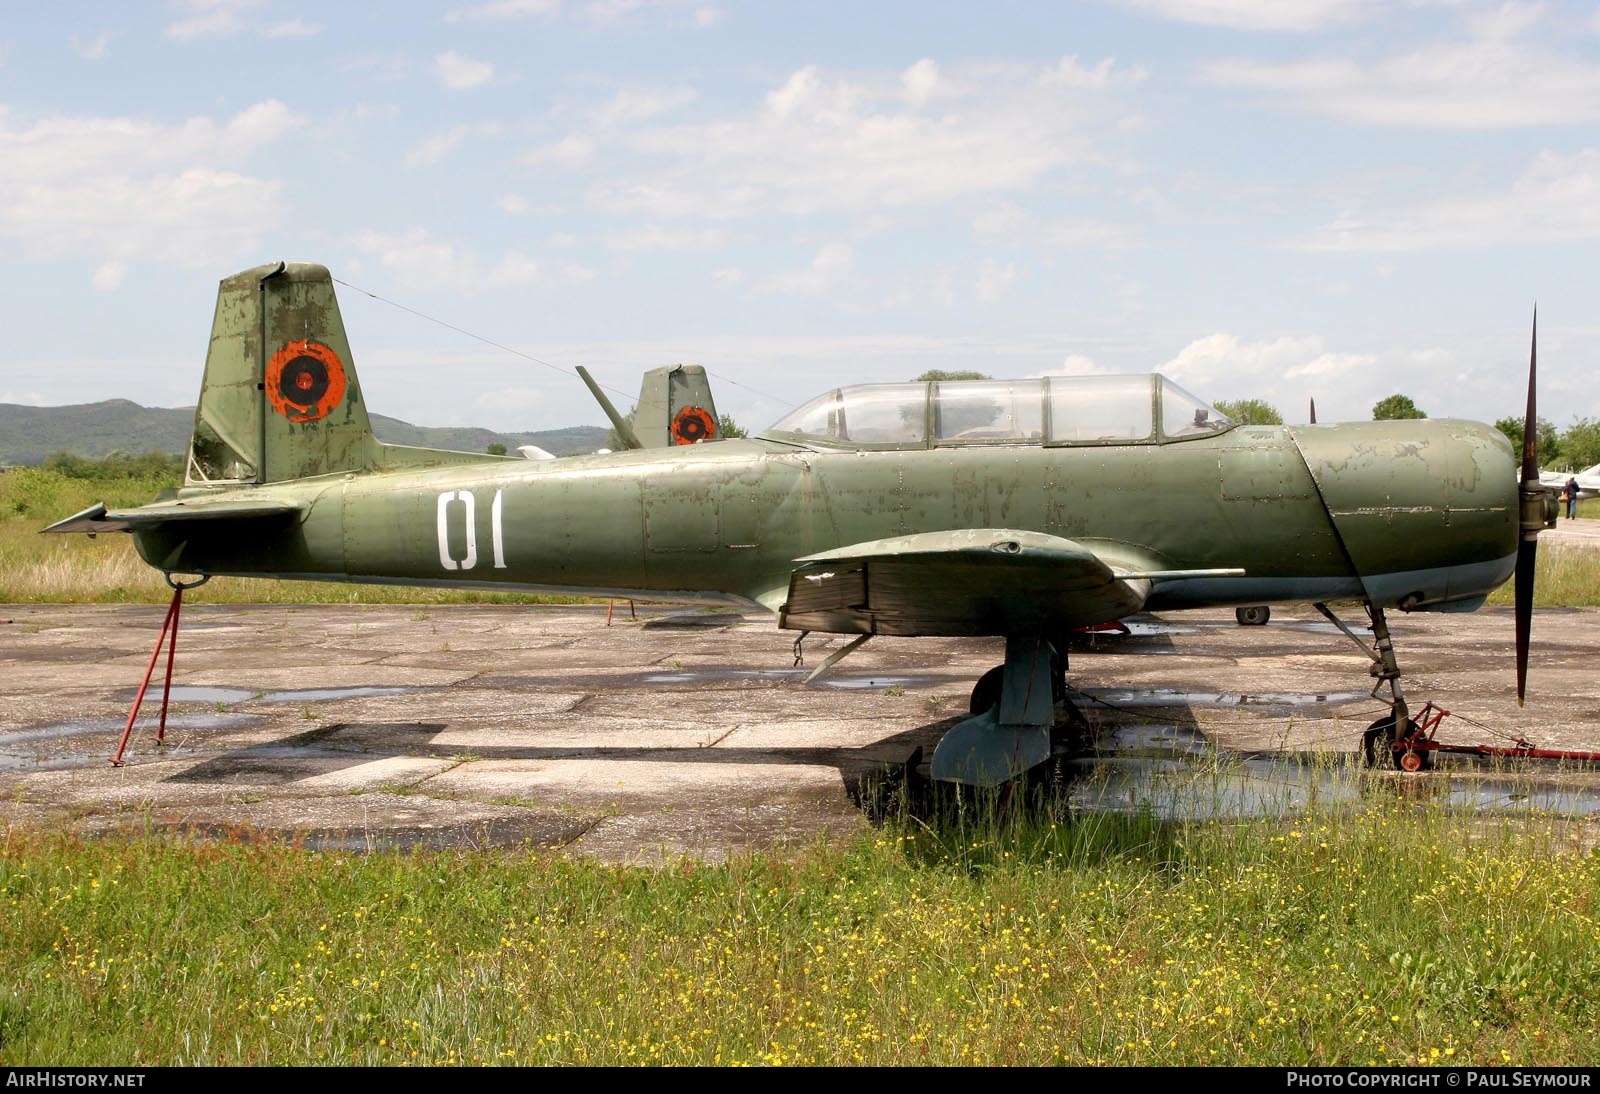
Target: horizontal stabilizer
column 97, row 518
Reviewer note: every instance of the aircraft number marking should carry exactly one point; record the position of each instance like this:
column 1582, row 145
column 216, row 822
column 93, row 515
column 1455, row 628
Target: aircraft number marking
column 469, row 504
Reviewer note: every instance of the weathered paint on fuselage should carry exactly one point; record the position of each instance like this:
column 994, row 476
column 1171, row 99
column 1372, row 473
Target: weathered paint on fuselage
column 1424, row 511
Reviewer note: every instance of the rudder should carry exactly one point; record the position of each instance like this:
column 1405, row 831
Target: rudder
column 675, row 407
column 280, row 399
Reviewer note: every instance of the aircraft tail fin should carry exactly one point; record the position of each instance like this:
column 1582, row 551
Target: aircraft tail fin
column 675, row 407
column 280, row 399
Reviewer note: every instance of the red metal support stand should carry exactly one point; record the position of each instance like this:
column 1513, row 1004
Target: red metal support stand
column 169, row 638
column 1410, row 748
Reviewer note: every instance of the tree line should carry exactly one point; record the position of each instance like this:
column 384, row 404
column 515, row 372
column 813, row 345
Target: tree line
column 1575, row 447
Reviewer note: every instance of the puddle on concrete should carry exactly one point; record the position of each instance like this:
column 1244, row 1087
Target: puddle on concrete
column 93, row 740
column 1164, row 697
column 189, row 693
column 315, row 695
column 1173, row 772
column 840, row 681
column 1317, row 626
column 1222, row 787
column 715, row 676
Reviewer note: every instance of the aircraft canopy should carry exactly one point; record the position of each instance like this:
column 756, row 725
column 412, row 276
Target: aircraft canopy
column 1056, row 410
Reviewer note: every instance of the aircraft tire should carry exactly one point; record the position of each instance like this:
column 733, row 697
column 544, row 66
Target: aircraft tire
column 1254, row 615
column 1377, row 743
column 986, row 692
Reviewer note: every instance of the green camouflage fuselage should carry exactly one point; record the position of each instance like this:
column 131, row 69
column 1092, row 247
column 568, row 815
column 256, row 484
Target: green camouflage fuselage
column 1418, row 513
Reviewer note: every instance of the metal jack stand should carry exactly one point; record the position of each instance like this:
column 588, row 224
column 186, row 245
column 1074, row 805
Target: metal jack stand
column 168, row 625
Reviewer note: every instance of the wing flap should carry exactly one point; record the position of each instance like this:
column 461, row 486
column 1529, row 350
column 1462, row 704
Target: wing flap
column 963, row 582
column 97, row 518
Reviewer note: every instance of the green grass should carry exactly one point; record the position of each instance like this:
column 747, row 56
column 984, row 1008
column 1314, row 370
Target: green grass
column 1394, row 934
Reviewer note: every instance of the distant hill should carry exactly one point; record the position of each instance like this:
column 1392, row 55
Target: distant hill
column 31, row 434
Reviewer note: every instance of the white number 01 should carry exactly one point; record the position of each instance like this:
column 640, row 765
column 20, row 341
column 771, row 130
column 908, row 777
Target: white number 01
column 496, row 532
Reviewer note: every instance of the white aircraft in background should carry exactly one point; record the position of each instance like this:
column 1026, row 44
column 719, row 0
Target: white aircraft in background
column 1588, row 481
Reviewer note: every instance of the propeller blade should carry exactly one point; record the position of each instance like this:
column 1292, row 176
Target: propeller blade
column 1313, row 412
column 1526, row 550
column 1528, row 545
column 1530, row 424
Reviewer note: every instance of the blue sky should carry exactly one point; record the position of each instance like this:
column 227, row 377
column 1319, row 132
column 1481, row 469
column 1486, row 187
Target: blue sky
column 1278, row 199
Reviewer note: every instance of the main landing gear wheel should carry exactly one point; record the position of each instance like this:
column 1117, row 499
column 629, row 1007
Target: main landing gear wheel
column 1378, row 742
column 986, row 692
column 1253, row 616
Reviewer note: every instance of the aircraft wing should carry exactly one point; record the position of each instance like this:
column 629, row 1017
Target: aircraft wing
column 976, row 581
column 97, row 518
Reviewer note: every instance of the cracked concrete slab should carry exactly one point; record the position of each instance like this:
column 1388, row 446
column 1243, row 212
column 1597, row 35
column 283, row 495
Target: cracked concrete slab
column 355, row 726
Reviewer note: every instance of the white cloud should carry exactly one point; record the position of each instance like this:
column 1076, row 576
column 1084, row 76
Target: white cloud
column 211, row 18
column 706, row 17
column 1067, row 72
column 1556, row 198
column 420, row 261
column 1076, row 364
column 1285, row 371
column 832, row 267
column 1008, row 223
column 502, row 10
column 1506, row 21
column 515, row 204
column 293, row 28
column 802, row 85
column 189, row 217
column 96, row 48
column 109, row 276
column 437, row 147
column 654, row 237
column 1001, row 221
column 820, row 143
column 920, row 80
column 1289, row 15
column 635, row 105
column 728, row 276
column 460, row 73
column 1226, row 356
column 994, row 279
column 568, row 151
column 117, row 190
column 1480, row 84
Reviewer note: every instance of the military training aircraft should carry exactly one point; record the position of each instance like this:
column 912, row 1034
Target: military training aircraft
column 1019, row 509
column 1588, row 481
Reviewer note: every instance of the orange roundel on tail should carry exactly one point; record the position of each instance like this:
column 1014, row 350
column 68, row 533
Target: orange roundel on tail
column 693, row 424
column 305, row 381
